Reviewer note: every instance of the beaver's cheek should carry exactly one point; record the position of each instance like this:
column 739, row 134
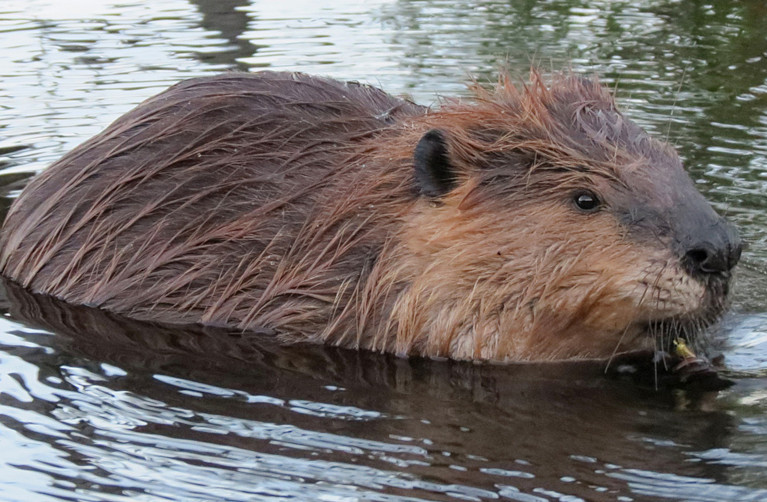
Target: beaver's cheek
column 656, row 287
column 625, row 285
column 674, row 295
column 611, row 316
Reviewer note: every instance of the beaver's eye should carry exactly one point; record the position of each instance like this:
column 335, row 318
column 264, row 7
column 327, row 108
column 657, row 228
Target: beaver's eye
column 586, row 201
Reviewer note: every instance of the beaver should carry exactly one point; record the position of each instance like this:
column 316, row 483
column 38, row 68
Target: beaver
column 531, row 221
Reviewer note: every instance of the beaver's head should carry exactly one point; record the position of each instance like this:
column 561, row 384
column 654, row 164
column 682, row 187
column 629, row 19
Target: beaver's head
column 553, row 227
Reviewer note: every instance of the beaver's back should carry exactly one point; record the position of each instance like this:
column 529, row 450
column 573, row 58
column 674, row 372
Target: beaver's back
column 190, row 207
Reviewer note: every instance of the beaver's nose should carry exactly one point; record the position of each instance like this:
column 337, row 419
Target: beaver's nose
column 715, row 252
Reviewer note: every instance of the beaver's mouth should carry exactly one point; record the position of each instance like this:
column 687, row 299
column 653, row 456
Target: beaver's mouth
column 665, row 332
column 672, row 327
column 708, row 311
column 675, row 357
column 717, row 286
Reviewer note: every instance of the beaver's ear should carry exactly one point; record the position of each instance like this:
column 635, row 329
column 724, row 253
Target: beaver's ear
column 433, row 172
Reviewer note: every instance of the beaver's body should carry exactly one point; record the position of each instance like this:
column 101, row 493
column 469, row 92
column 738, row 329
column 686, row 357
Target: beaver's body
column 530, row 224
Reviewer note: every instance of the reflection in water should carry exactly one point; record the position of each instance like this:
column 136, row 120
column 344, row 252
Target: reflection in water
column 227, row 18
column 109, row 410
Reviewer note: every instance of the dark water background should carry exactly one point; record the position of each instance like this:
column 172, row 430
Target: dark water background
column 145, row 414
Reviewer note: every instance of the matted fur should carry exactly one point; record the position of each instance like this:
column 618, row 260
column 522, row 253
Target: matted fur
column 288, row 202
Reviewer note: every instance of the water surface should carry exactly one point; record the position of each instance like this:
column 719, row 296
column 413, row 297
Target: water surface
column 158, row 414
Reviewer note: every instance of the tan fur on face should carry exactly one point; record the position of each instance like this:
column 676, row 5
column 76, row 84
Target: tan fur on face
column 522, row 283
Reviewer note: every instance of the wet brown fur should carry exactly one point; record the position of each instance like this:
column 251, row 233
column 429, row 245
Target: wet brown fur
column 288, row 202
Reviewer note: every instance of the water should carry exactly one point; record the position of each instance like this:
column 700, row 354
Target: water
column 156, row 414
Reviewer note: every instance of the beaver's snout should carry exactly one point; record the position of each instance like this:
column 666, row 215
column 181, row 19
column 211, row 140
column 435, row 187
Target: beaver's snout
column 707, row 245
column 711, row 249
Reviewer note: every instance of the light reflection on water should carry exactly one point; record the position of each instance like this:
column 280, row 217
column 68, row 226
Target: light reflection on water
column 164, row 420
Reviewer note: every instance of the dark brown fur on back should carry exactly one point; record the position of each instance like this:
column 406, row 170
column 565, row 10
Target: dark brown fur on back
column 243, row 190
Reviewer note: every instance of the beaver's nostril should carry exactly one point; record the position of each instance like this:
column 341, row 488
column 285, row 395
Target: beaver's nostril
column 696, row 257
column 711, row 247
column 707, row 259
